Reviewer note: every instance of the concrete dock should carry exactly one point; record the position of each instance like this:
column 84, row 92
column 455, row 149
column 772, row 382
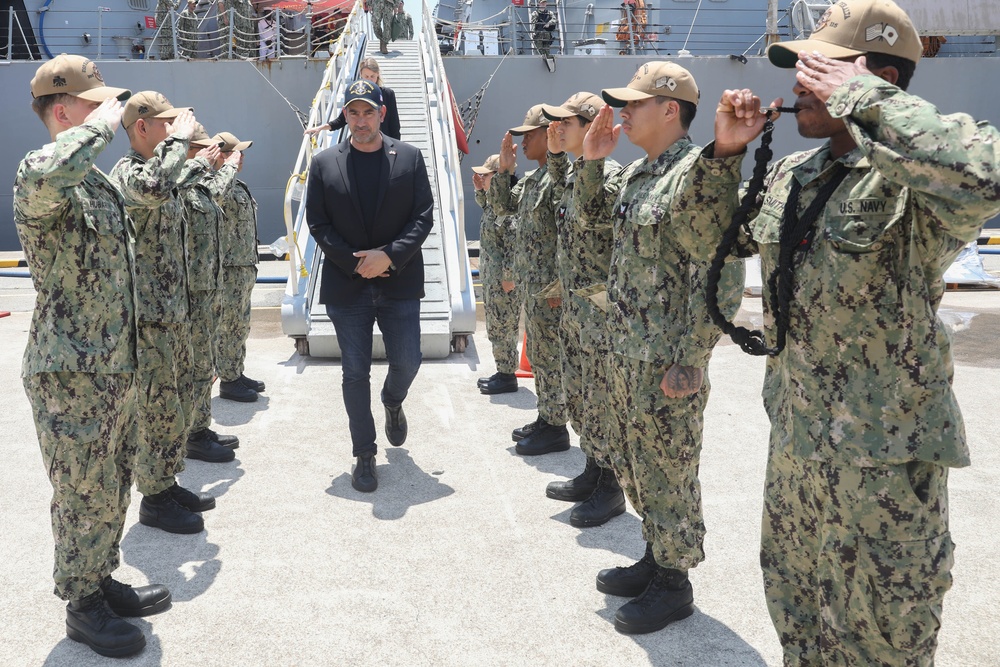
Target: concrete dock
column 458, row 558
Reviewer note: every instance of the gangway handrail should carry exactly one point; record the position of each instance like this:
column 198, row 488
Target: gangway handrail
column 302, row 259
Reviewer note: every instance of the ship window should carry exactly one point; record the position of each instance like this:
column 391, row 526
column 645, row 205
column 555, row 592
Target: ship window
column 140, row 5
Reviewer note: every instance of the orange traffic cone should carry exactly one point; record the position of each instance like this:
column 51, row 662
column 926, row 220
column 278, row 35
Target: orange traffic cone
column 524, row 366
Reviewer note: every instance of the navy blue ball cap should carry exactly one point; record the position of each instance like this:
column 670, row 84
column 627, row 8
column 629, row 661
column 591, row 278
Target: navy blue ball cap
column 363, row 89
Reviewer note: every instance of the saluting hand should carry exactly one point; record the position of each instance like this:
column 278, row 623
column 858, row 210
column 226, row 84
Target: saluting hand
column 508, row 153
column 602, row 137
column 110, row 111
column 183, row 125
column 478, row 182
column 210, row 153
column 823, row 75
column 556, row 136
column 235, row 158
column 738, row 121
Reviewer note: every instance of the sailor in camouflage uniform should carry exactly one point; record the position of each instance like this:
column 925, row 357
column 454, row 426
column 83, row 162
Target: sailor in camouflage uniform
column 855, row 546
column 203, row 218
column 535, row 274
column 165, row 23
column 661, row 336
column 238, row 247
column 501, row 298
column 583, row 256
column 189, row 32
column 382, row 14
column 245, row 36
column 80, row 361
column 149, row 178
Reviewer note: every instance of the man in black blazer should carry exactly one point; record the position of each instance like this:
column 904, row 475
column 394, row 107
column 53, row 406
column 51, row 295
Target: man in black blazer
column 369, row 206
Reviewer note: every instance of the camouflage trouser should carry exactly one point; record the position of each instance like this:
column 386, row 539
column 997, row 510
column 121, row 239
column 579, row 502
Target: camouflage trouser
column 163, row 399
column 382, row 12
column 543, row 41
column 658, row 460
column 234, row 325
column 188, row 46
column 503, row 309
column 541, row 324
column 204, row 318
column 572, row 377
column 165, row 42
column 82, row 420
column 246, row 38
column 856, row 561
column 593, row 351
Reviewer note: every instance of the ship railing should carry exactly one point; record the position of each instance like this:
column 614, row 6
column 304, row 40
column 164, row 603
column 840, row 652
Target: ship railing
column 303, row 258
column 446, row 164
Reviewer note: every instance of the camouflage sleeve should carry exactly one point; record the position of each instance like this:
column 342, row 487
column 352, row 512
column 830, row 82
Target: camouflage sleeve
column 194, row 170
column 502, row 197
column 220, row 183
column 45, row 175
column 507, row 245
column 950, row 163
column 481, row 199
column 558, row 168
column 596, row 194
column 706, row 199
column 695, row 348
column 148, row 184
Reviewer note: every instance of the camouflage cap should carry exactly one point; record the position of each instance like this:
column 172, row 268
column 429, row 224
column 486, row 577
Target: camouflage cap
column 149, row 104
column 533, row 120
column 655, row 79
column 491, row 166
column 76, row 76
column 583, row 104
column 201, row 139
column 231, row 143
column 853, row 28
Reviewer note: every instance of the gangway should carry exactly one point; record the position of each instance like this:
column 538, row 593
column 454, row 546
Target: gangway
column 413, row 69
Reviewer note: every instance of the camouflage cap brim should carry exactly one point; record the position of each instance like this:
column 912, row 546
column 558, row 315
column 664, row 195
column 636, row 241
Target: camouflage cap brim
column 557, row 113
column 523, row 129
column 104, row 93
column 483, row 170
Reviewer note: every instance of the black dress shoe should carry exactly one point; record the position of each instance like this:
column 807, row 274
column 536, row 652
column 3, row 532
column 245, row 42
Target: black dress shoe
column 125, row 600
column 191, row 501
column 523, row 432
column 668, row 598
column 395, row 425
column 605, row 503
column 230, row 441
column 501, row 383
column 580, row 487
column 256, row 385
column 201, row 447
column 545, row 439
column 90, row 621
column 237, row 391
column 631, row 581
column 364, row 478
column 162, row 511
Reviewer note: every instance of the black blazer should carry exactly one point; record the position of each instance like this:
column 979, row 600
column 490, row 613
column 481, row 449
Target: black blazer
column 390, row 124
column 403, row 219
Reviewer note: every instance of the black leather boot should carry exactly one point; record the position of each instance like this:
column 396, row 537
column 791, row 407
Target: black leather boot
column 395, row 425
column 605, row 503
column 481, row 381
column 668, row 598
column 523, row 432
column 256, row 385
column 628, row 582
column 546, row 438
column 142, row 601
column 501, row 383
column 201, row 446
column 580, row 487
column 237, row 391
column 364, row 478
column 162, row 511
column 90, row 621
column 230, row 441
column 191, row 501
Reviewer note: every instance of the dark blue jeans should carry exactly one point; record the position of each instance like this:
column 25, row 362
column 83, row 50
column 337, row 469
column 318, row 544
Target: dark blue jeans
column 399, row 322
